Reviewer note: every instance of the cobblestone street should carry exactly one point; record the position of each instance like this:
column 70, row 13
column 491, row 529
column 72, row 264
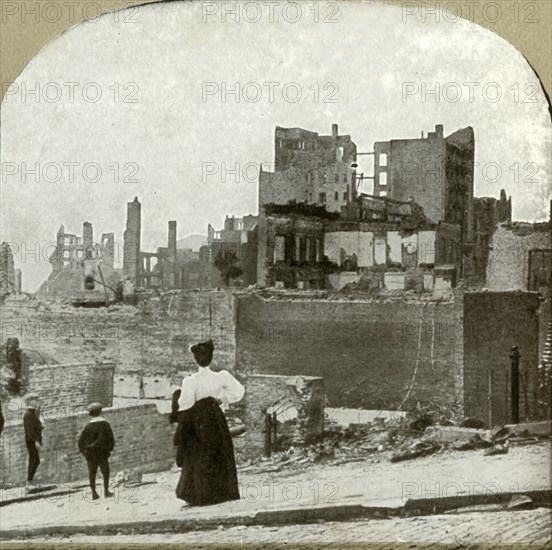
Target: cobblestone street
column 472, row 528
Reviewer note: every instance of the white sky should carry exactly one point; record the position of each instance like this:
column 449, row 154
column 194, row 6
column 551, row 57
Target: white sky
column 167, row 53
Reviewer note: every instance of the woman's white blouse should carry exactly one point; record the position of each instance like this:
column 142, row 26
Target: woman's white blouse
column 207, row 383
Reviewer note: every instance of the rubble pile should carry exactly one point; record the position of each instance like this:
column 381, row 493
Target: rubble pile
column 393, row 441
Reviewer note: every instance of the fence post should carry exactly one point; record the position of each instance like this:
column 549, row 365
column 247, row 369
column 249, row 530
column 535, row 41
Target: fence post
column 514, row 383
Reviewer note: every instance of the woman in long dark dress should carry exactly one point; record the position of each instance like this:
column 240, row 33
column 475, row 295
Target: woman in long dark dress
column 209, row 473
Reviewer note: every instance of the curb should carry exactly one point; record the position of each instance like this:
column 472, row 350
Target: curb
column 428, row 506
column 173, row 525
column 416, row 507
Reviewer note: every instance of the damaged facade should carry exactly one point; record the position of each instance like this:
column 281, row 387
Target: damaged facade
column 235, row 244
column 317, row 231
column 82, row 269
column 310, row 169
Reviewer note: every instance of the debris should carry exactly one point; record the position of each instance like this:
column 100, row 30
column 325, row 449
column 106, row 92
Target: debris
column 128, row 477
column 472, row 422
column 497, row 449
column 462, row 446
column 419, row 448
column 480, row 443
column 499, row 433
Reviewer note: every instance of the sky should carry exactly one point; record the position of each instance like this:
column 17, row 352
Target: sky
column 140, row 103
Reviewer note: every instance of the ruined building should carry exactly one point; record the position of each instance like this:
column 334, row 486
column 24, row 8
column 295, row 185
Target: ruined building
column 420, row 224
column 237, row 244
column 310, row 169
column 436, row 172
column 10, row 278
column 82, row 269
column 167, row 268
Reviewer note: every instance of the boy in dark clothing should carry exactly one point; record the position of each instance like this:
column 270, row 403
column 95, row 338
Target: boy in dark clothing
column 33, row 435
column 96, row 443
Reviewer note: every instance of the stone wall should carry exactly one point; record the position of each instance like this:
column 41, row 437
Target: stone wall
column 143, row 441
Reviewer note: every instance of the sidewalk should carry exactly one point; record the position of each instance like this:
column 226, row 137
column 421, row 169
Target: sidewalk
column 375, row 489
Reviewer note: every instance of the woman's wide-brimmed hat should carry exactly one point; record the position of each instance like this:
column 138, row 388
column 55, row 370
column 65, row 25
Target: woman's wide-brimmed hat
column 203, row 352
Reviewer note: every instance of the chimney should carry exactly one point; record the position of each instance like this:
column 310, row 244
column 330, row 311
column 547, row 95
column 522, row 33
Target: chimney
column 334, row 131
column 439, row 130
column 87, row 241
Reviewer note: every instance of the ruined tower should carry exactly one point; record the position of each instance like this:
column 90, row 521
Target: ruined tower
column 171, row 255
column 108, row 249
column 131, row 251
column 87, row 241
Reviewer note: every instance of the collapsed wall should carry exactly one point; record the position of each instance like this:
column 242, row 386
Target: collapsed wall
column 280, row 410
column 152, row 337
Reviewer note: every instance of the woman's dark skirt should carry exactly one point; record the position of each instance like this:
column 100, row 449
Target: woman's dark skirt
column 206, row 450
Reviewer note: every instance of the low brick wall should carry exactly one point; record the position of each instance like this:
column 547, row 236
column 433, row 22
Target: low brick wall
column 143, row 441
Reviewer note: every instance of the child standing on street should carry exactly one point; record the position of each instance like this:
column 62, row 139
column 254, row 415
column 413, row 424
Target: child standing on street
column 33, row 436
column 96, row 443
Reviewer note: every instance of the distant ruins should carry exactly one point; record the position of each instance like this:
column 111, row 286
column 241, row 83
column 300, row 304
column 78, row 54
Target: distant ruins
column 421, row 229
column 82, row 270
column 10, row 278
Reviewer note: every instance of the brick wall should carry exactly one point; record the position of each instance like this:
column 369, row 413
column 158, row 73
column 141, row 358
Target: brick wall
column 371, row 354
column 153, row 337
column 493, row 323
column 74, row 386
column 100, row 384
column 143, row 441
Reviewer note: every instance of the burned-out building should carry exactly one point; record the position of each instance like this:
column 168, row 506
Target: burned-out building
column 234, row 245
column 436, row 171
column 421, row 217
column 160, row 269
column 488, row 213
column 310, row 169
column 82, row 270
